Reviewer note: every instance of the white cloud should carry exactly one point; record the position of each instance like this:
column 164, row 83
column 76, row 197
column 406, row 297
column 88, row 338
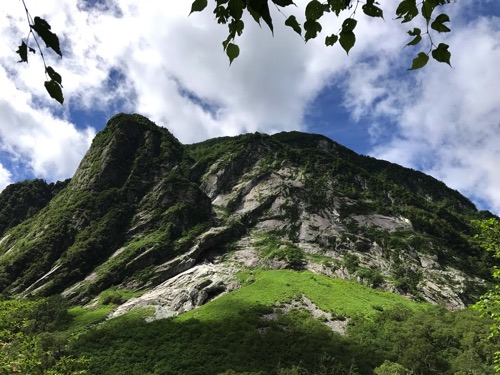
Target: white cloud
column 52, row 148
column 446, row 120
column 160, row 49
column 5, row 177
column 49, row 146
column 171, row 68
column 266, row 89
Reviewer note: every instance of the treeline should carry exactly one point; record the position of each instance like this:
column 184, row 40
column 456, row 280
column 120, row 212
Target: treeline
column 34, row 340
column 39, row 337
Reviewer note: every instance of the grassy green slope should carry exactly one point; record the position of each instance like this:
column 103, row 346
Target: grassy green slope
column 270, row 287
column 229, row 333
column 234, row 335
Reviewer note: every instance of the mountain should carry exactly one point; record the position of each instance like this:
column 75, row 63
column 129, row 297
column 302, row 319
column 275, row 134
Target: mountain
column 178, row 222
column 22, row 200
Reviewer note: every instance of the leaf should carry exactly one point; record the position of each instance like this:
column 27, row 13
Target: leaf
column 427, row 9
column 414, row 41
column 312, row 29
column 442, row 18
column 221, row 14
column 292, row 22
column 254, row 15
column 438, row 23
column 442, row 54
column 198, row 5
column 54, row 75
column 23, row 52
column 347, row 40
column 227, row 41
column 42, row 28
column 235, row 8
column 338, row 6
column 232, row 51
column 261, row 9
column 331, row 40
column 283, row 3
column 372, row 10
column 420, row 61
column 239, row 26
column 416, row 33
column 54, row 90
column 235, row 27
column 314, row 10
column 407, row 10
column 349, row 24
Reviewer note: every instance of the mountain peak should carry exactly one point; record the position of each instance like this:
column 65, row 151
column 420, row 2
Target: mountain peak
column 124, row 150
column 143, row 208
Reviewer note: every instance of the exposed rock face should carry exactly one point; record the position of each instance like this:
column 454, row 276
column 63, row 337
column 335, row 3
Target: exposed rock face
column 144, row 211
column 192, row 288
column 131, row 192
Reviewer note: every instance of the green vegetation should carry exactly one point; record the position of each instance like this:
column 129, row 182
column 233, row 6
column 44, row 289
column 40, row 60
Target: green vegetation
column 135, row 203
column 372, row 277
column 428, row 341
column 31, row 340
column 83, row 317
column 230, row 333
column 267, row 287
column 272, row 247
column 250, row 331
column 23, row 200
column 80, row 229
column 117, row 296
column 489, row 304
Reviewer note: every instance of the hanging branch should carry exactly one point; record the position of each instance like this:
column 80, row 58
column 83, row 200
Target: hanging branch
column 53, row 85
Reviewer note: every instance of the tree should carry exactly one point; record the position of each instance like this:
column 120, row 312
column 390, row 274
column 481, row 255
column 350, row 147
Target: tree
column 489, row 304
column 230, row 13
column 391, row 368
column 42, row 28
column 28, row 344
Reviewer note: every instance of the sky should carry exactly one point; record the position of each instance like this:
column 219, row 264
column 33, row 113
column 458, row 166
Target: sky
column 151, row 58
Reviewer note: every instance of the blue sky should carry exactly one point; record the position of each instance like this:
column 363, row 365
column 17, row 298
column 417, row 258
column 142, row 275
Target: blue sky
column 128, row 56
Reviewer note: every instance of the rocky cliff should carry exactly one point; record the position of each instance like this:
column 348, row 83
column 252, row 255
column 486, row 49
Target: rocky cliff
column 145, row 212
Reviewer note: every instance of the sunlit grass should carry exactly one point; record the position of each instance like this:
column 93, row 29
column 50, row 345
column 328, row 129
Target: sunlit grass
column 270, row 287
column 83, row 318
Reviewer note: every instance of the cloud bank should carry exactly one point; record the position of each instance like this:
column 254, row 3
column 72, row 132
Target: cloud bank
column 445, row 121
column 155, row 60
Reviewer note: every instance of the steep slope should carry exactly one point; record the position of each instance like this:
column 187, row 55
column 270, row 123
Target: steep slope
column 288, row 322
column 332, row 202
column 22, row 200
column 123, row 210
column 146, row 212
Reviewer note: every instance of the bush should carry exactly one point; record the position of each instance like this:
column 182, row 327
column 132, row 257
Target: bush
column 115, row 296
column 351, row 262
column 391, row 368
column 271, row 247
column 372, row 277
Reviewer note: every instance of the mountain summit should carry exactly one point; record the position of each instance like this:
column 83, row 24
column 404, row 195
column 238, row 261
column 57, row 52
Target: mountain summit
column 144, row 211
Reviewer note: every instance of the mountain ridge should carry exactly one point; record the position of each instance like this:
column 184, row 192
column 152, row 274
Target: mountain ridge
column 143, row 208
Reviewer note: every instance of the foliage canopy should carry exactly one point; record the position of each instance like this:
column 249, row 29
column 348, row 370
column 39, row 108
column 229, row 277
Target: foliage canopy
column 231, row 12
column 489, row 304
